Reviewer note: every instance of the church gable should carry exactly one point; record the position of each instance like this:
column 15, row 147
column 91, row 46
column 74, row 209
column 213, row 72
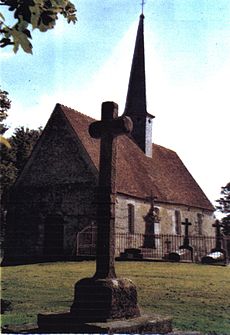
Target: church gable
column 58, row 158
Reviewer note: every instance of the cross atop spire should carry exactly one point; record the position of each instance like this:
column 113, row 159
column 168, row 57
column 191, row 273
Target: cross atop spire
column 142, row 6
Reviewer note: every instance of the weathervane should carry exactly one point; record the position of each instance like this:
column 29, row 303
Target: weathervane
column 142, row 6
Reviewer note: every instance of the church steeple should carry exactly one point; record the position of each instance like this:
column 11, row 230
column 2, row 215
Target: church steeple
column 136, row 96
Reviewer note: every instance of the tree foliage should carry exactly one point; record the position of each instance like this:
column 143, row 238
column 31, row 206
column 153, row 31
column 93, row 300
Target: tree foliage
column 224, row 207
column 14, row 154
column 22, row 142
column 30, row 15
column 5, row 105
column 13, row 161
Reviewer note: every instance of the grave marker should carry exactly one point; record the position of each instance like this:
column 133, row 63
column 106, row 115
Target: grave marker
column 217, row 254
column 150, row 219
column 217, row 225
column 185, row 250
column 186, row 224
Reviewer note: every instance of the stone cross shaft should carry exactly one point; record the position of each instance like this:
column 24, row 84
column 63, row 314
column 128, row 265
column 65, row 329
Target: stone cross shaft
column 152, row 200
column 107, row 130
column 168, row 243
column 186, row 225
column 217, row 225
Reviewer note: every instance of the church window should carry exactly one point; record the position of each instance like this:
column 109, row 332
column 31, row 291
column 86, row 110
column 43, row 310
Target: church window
column 177, row 222
column 200, row 223
column 131, row 218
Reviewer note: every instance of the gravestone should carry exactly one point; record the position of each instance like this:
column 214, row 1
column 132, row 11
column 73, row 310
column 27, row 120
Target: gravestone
column 185, row 250
column 105, row 303
column 168, row 249
column 217, row 226
column 168, row 244
column 217, row 254
column 185, row 244
column 131, row 254
column 150, row 220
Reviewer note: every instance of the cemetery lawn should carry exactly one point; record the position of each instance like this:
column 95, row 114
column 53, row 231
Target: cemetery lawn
column 196, row 296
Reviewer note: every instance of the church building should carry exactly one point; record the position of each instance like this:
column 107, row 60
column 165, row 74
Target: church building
column 54, row 198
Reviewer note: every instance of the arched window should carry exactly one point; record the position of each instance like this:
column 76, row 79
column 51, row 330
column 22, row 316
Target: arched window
column 200, row 223
column 177, row 222
column 131, row 218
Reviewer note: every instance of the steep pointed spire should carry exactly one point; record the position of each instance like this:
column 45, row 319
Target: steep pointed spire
column 136, row 96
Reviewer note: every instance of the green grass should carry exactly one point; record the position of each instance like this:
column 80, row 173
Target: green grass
column 196, row 296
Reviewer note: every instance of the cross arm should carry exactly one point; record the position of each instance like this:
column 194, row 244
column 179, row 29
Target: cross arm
column 115, row 127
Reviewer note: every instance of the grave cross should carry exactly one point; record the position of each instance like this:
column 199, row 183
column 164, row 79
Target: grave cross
column 107, row 130
column 168, row 243
column 152, row 201
column 217, row 225
column 186, row 238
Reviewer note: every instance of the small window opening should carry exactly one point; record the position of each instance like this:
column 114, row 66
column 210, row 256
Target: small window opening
column 200, row 223
column 131, row 218
column 178, row 222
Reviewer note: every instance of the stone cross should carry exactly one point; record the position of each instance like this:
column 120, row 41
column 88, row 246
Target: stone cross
column 217, row 225
column 168, row 244
column 107, row 130
column 150, row 219
column 186, row 238
column 152, row 201
column 142, row 6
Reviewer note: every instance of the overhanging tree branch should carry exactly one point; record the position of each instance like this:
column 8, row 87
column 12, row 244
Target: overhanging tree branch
column 30, row 15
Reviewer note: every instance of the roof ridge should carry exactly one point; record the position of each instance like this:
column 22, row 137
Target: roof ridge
column 161, row 146
column 74, row 111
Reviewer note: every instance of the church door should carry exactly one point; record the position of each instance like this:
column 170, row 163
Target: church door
column 54, row 237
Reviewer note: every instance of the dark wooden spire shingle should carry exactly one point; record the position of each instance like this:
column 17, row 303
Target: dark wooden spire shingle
column 136, row 96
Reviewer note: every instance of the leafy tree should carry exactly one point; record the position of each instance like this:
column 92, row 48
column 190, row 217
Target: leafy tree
column 12, row 162
column 14, row 154
column 224, row 207
column 23, row 141
column 5, row 104
column 30, row 15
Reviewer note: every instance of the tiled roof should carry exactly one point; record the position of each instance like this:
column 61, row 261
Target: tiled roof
column 138, row 175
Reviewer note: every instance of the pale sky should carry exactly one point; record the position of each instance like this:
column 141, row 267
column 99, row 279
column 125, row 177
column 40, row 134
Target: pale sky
column 187, row 47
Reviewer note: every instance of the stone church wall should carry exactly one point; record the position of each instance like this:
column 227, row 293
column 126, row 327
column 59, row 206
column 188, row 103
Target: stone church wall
column 201, row 220
column 30, row 213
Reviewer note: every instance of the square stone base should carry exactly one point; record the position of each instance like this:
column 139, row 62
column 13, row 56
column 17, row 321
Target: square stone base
column 101, row 300
column 66, row 323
